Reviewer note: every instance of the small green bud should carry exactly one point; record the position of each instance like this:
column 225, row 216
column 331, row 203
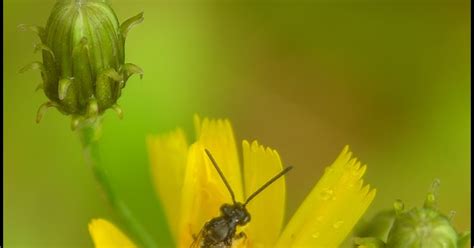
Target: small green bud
column 419, row 227
column 422, row 227
column 83, row 68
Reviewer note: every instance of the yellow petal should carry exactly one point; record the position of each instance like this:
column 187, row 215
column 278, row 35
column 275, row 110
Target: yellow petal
column 332, row 208
column 203, row 194
column 217, row 136
column 267, row 209
column 167, row 155
column 106, row 235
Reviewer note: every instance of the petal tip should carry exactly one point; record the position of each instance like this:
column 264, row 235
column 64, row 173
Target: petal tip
column 346, row 149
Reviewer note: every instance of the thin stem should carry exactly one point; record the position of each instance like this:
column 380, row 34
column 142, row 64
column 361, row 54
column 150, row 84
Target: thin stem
column 89, row 135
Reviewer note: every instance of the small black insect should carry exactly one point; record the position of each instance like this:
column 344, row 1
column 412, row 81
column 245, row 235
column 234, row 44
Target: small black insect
column 220, row 231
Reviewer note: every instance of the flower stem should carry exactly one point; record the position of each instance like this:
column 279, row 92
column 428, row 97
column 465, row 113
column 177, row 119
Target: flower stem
column 89, row 134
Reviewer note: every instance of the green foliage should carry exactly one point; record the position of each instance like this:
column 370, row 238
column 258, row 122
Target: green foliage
column 419, row 227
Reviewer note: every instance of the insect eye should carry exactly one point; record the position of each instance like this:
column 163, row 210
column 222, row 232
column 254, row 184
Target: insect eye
column 226, row 209
column 247, row 219
column 244, row 220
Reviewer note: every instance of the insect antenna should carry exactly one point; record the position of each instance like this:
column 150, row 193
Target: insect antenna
column 283, row 172
column 221, row 174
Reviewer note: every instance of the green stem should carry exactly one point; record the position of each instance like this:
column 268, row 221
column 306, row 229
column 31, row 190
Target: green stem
column 89, row 135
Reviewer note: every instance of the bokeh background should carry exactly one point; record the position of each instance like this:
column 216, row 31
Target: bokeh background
column 389, row 78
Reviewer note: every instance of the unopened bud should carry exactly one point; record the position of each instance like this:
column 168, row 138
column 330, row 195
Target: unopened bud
column 83, row 68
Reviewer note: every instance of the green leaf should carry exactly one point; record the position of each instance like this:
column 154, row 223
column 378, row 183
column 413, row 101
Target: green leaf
column 35, row 65
column 63, row 86
column 129, row 69
column 127, row 25
column 42, row 47
column 36, row 29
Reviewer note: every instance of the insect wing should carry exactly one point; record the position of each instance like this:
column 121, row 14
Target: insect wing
column 198, row 239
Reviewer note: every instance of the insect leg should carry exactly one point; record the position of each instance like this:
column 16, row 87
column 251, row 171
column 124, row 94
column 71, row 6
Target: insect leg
column 241, row 239
column 228, row 241
column 240, row 235
column 197, row 239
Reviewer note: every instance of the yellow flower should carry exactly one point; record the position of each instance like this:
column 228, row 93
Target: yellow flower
column 192, row 192
column 106, row 235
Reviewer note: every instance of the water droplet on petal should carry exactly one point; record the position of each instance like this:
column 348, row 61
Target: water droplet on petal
column 315, row 235
column 337, row 224
column 326, row 194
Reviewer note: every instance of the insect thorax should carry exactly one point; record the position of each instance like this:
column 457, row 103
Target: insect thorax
column 220, row 231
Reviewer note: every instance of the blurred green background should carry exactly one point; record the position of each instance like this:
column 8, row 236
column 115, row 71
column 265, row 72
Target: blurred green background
column 389, row 78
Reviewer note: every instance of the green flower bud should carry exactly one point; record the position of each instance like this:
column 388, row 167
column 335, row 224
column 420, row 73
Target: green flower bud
column 419, row 227
column 422, row 227
column 83, row 68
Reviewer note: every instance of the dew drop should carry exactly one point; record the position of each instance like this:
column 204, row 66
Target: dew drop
column 327, row 194
column 398, row 206
column 315, row 235
column 337, row 224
